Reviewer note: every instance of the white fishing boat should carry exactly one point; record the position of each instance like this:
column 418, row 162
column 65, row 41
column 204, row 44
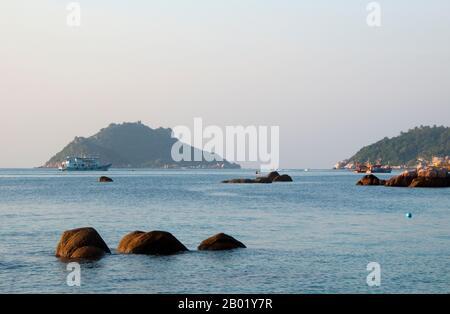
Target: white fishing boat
column 83, row 164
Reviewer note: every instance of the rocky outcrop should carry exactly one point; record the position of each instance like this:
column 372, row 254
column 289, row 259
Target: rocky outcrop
column 433, row 173
column 283, row 178
column 273, row 176
column 105, row 179
column 424, row 182
column 220, row 241
column 81, row 243
column 402, row 180
column 150, row 243
column 370, row 179
column 423, row 178
column 262, row 180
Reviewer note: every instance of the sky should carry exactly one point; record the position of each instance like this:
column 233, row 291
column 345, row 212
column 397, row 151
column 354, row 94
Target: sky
column 315, row 69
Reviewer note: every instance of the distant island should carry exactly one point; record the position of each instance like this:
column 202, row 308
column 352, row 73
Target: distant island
column 406, row 150
column 132, row 145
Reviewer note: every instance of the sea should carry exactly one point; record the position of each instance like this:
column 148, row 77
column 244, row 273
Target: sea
column 318, row 234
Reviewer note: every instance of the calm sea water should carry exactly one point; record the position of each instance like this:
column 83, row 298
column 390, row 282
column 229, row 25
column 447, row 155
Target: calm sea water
column 315, row 235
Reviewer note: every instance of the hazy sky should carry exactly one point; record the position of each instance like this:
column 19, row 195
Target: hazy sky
column 316, row 69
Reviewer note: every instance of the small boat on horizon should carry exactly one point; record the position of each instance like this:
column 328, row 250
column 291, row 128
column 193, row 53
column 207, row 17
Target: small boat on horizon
column 83, row 164
column 373, row 168
column 361, row 168
column 378, row 168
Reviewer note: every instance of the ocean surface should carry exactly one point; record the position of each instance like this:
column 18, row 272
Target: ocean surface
column 315, row 235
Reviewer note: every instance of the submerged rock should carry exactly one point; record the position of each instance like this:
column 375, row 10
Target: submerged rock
column 243, row 180
column 150, row 243
column 273, row 176
column 105, row 179
column 220, row 241
column 83, row 243
column 240, row 181
column 262, row 180
column 370, row 179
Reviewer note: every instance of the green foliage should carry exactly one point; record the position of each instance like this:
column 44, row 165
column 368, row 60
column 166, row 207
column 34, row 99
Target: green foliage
column 405, row 149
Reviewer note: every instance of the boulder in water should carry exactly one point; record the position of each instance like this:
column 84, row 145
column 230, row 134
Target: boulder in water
column 81, row 243
column 283, row 178
column 423, row 178
column 105, row 179
column 220, row 241
column 262, row 180
column 427, row 182
column 150, row 243
column 88, row 252
column 240, row 180
column 370, row 179
column 402, row 180
column 431, row 172
column 273, row 176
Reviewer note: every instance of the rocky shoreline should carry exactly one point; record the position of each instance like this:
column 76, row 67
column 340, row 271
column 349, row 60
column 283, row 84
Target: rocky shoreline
column 430, row 177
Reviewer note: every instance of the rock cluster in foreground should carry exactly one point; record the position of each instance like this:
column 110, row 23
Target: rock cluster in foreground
column 421, row 178
column 273, row 176
column 86, row 243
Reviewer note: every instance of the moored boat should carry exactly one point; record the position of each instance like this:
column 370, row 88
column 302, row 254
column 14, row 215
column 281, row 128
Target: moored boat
column 361, row 168
column 378, row 168
column 83, row 164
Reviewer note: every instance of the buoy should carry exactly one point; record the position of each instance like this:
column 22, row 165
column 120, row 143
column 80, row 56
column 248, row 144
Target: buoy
column 408, row 215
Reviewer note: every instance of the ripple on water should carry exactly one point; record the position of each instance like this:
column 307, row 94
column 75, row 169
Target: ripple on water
column 314, row 235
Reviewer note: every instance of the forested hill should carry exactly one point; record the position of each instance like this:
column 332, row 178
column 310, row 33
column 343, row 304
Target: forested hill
column 405, row 149
column 132, row 145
